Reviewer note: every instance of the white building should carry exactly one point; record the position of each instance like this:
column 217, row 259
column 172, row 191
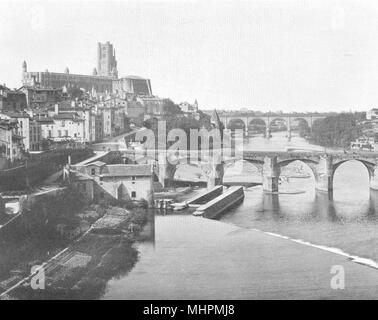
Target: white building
column 23, row 130
column 189, row 108
column 364, row 143
column 372, row 114
column 100, row 181
column 68, row 126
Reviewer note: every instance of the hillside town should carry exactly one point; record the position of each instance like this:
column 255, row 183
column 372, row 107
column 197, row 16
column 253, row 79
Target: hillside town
column 188, row 151
column 57, row 132
column 53, row 110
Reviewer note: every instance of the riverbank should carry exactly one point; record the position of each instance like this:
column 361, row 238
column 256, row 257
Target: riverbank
column 82, row 270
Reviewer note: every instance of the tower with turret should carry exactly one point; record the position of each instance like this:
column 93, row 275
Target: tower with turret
column 106, row 60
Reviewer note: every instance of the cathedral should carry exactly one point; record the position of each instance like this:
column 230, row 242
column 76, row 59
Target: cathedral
column 101, row 79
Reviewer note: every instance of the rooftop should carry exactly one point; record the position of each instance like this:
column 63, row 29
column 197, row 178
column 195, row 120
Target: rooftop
column 134, row 77
column 2, row 87
column 122, row 170
column 96, row 163
column 44, row 119
column 68, row 116
column 20, row 114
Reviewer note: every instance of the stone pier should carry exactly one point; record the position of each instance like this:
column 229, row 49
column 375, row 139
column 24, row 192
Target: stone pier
column 166, row 170
column 373, row 174
column 271, row 174
column 324, row 174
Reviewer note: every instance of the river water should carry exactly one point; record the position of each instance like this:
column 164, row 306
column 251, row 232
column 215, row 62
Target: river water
column 198, row 258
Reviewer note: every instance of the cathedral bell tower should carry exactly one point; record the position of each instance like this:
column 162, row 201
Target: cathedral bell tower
column 106, row 60
column 24, row 71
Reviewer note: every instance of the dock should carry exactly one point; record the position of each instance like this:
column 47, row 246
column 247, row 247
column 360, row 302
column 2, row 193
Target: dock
column 200, row 198
column 222, row 203
column 205, row 197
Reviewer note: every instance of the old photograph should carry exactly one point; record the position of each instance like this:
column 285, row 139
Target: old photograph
column 162, row 150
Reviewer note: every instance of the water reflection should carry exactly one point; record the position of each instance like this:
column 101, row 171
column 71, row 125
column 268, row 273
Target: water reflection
column 324, row 206
column 373, row 206
column 345, row 219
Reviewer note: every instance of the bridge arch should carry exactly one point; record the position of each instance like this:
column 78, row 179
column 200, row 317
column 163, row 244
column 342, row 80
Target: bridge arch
column 241, row 162
column 361, row 177
column 309, row 163
column 370, row 166
column 300, row 120
column 236, row 123
column 242, row 172
column 278, row 124
column 201, row 172
column 257, row 125
column 300, row 125
column 188, row 172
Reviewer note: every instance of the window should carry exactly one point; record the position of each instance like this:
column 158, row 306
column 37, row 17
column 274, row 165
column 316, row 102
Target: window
column 66, row 133
column 59, row 133
column 133, row 178
column 93, row 171
column 133, row 194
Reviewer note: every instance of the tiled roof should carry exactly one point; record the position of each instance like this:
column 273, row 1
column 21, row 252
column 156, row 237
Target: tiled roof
column 4, row 123
column 44, row 119
column 21, row 114
column 96, row 163
column 122, row 170
column 133, row 77
column 68, row 116
column 79, row 176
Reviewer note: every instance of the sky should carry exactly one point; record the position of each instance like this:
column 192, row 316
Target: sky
column 261, row 55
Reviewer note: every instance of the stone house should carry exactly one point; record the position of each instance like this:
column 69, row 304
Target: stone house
column 100, row 181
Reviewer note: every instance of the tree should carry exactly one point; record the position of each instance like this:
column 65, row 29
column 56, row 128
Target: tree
column 303, row 129
column 74, row 93
column 171, row 108
column 336, row 130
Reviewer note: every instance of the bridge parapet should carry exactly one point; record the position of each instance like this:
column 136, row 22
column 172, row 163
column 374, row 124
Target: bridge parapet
column 363, row 156
column 323, row 166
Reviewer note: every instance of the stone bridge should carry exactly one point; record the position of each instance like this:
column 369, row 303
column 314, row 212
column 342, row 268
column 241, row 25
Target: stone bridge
column 247, row 121
column 323, row 166
column 270, row 164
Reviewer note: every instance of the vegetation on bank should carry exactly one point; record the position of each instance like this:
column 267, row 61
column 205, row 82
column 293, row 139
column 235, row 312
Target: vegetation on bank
column 51, row 223
column 89, row 263
column 33, row 234
column 176, row 119
column 337, row 130
column 111, row 257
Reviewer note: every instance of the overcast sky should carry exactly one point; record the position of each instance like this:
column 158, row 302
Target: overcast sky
column 267, row 55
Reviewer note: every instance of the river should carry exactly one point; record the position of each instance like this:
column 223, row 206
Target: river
column 242, row 255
